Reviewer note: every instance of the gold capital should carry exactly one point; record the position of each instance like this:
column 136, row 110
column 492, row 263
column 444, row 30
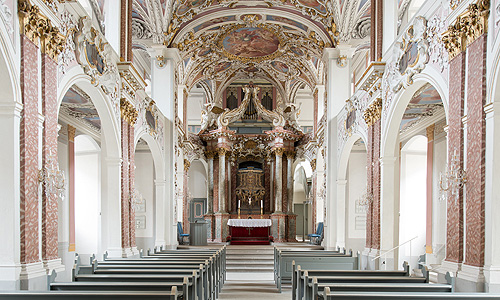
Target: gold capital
column 373, row 112
column 128, row 112
column 71, row 133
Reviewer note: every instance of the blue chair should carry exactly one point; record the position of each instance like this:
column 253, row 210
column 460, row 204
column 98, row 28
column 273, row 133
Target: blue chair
column 317, row 238
column 180, row 234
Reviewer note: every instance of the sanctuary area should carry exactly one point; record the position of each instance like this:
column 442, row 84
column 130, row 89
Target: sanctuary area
column 245, row 149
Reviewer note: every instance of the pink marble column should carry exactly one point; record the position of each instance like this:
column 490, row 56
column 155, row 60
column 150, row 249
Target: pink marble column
column 430, row 156
column 49, row 156
column 369, row 186
column 476, row 147
column 71, row 185
column 454, row 235
column 376, row 186
column 131, row 153
column 29, row 152
column 125, row 209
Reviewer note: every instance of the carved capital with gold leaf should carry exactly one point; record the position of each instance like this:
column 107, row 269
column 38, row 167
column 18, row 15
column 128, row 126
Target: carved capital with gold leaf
column 290, row 154
column 373, row 112
column 313, row 164
column 187, row 165
column 128, row 112
column 279, row 151
column 210, row 154
column 222, row 151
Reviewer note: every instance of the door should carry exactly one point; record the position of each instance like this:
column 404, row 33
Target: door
column 197, row 209
column 300, row 210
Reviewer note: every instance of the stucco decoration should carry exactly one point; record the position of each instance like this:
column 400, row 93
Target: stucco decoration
column 209, row 115
column 411, row 55
column 97, row 59
column 351, row 121
column 6, row 15
column 68, row 28
column 437, row 52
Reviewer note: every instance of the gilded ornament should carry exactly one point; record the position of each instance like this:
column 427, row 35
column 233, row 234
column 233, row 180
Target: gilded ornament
column 187, row 165
column 467, row 28
column 128, row 112
column 222, row 151
column 279, row 151
column 313, row 164
column 373, row 112
column 210, row 154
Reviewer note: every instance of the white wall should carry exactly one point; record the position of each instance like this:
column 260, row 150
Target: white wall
column 197, row 180
column 87, row 195
column 356, row 187
column 438, row 205
column 412, row 220
column 144, row 179
column 305, row 97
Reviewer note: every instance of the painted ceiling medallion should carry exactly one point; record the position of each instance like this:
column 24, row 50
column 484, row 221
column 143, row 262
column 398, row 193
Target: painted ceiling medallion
column 250, row 43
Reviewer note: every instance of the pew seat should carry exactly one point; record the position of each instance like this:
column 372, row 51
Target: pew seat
column 89, row 295
column 329, row 295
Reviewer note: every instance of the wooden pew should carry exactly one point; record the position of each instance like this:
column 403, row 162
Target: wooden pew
column 192, row 286
column 165, row 287
column 89, row 295
column 312, row 260
column 312, row 284
column 205, row 282
column 299, row 278
column 210, row 273
column 299, row 282
column 329, row 295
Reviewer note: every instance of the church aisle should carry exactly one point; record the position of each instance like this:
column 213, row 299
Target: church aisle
column 249, row 286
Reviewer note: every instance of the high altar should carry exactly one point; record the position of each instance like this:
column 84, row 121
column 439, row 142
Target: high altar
column 250, row 175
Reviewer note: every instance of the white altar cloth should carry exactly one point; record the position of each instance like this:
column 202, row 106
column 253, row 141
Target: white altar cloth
column 249, row 222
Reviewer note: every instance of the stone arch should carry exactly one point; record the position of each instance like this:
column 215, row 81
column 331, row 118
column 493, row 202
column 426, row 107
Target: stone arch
column 111, row 158
column 389, row 160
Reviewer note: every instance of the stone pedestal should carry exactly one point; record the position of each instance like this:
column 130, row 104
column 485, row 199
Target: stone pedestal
column 291, row 227
column 221, row 228
column 278, row 229
column 209, row 218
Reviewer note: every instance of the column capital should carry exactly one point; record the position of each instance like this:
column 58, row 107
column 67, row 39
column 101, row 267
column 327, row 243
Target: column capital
column 210, row 154
column 11, row 108
column 187, row 165
column 160, row 182
column 290, row 154
column 71, row 133
column 222, row 151
column 279, row 151
column 387, row 160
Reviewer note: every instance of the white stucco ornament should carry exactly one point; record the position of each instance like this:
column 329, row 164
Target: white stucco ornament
column 410, row 55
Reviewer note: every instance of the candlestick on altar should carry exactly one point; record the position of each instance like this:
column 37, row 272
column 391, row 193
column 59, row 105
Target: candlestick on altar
column 261, row 208
column 239, row 211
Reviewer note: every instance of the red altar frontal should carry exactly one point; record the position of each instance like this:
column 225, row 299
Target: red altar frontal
column 249, row 231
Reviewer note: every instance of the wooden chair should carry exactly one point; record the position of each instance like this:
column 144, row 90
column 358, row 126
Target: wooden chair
column 317, row 238
column 181, row 235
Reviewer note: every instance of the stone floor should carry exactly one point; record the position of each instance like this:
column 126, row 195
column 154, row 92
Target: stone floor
column 249, row 286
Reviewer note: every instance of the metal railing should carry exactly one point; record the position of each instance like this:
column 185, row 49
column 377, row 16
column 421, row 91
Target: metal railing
column 398, row 246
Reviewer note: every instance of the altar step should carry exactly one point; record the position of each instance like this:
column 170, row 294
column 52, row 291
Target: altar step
column 249, row 258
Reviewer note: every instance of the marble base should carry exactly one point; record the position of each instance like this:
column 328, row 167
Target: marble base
column 447, row 266
column 470, row 279
column 221, row 228
column 492, row 278
column 209, row 218
column 291, row 228
column 127, row 252
column 33, row 277
column 278, row 230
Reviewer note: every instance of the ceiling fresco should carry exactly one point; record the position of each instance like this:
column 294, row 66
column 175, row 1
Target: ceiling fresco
column 225, row 40
column 425, row 103
column 77, row 105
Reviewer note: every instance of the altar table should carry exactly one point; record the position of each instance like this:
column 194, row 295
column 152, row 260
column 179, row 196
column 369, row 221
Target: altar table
column 249, row 231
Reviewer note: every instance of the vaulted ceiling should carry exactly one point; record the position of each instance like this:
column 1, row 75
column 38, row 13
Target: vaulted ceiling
column 220, row 41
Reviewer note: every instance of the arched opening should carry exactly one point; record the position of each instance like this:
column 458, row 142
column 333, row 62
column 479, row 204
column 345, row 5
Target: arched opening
column 302, row 199
column 420, row 112
column 87, row 195
column 413, row 204
column 357, row 198
column 144, row 196
column 197, row 187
